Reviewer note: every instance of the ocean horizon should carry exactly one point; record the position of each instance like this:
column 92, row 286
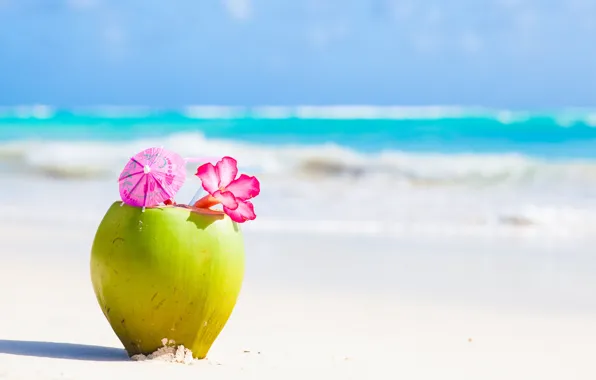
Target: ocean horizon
column 565, row 133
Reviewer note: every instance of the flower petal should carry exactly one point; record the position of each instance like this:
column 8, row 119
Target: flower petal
column 245, row 211
column 226, row 168
column 209, row 177
column 244, row 187
column 227, row 199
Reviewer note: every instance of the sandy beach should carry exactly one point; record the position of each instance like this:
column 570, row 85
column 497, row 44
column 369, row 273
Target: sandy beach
column 318, row 305
column 423, row 176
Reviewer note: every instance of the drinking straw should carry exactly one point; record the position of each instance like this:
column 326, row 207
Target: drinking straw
column 199, row 160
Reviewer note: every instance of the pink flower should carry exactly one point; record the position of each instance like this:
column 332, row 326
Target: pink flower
column 223, row 187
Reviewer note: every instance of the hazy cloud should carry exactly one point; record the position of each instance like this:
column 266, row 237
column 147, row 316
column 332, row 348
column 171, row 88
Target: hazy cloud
column 509, row 4
column 238, row 9
column 83, row 4
column 401, row 10
column 115, row 42
column 471, row 42
column 323, row 35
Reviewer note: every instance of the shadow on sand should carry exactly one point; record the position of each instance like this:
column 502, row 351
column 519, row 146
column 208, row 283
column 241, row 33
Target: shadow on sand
column 62, row 350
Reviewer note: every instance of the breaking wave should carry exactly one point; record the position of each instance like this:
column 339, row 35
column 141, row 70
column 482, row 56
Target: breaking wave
column 103, row 159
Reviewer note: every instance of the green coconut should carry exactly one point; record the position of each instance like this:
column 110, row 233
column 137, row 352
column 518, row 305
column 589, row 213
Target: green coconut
column 167, row 273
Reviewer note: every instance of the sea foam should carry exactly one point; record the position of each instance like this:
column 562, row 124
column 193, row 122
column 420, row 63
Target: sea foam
column 97, row 159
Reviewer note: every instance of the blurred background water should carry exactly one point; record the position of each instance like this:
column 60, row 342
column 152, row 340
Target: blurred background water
column 378, row 115
column 372, row 170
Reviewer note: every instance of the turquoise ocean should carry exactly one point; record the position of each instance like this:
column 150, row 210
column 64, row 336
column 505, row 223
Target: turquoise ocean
column 393, row 166
column 547, row 134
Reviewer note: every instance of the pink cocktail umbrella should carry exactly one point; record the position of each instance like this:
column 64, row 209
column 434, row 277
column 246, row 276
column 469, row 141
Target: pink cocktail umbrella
column 151, row 177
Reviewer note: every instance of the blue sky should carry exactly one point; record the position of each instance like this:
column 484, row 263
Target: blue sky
column 504, row 53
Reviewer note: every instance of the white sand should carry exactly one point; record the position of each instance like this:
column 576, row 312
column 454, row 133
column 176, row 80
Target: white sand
column 170, row 352
column 321, row 307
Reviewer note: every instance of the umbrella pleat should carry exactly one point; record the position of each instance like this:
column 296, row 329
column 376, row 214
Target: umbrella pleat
column 156, row 156
column 135, row 186
column 146, row 189
column 167, row 191
column 135, row 160
column 131, row 174
column 163, row 176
